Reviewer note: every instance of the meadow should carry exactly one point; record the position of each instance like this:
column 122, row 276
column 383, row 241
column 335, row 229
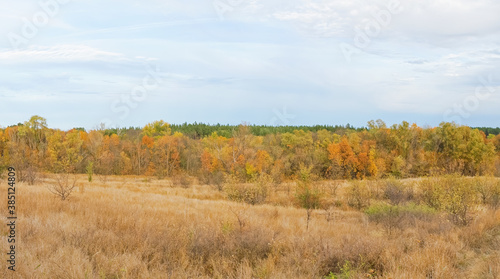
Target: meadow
column 140, row 227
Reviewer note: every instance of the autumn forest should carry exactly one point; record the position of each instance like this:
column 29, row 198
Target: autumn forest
column 246, row 152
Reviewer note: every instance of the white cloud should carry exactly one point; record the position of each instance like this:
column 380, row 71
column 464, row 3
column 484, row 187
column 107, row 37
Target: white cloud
column 451, row 18
column 58, row 54
column 436, row 20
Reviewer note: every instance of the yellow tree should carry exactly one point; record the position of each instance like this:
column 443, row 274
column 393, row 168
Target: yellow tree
column 157, row 129
column 366, row 166
column 147, row 144
column 3, row 151
column 65, row 151
column 343, row 158
column 298, row 147
column 263, row 161
column 109, row 158
column 26, row 146
column 92, row 146
column 166, row 155
column 208, row 162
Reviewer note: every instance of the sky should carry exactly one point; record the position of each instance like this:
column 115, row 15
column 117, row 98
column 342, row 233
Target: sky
column 127, row 63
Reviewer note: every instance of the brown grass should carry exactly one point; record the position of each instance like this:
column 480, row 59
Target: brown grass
column 133, row 227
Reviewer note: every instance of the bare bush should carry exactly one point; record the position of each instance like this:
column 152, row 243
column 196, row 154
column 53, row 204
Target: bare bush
column 333, row 186
column 218, row 179
column 64, row 185
column 241, row 215
column 27, row 174
column 397, row 192
column 183, row 180
column 358, row 195
column 329, row 214
column 103, row 178
column 30, row 175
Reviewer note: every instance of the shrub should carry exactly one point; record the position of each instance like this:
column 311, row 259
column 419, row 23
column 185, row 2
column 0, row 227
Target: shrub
column 249, row 193
column 348, row 270
column 431, row 192
column 489, row 191
column 399, row 216
column 103, row 178
column 264, row 180
column 352, row 257
column 64, row 186
column 229, row 246
column 494, row 200
column 459, row 198
column 358, row 195
column 217, row 179
column 376, row 188
column 90, row 171
column 307, row 197
column 454, row 194
column 334, row 186
column 183, row 180
column 30, row 175
column 397, row 192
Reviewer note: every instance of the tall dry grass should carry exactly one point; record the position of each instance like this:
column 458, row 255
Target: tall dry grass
column 133, row 227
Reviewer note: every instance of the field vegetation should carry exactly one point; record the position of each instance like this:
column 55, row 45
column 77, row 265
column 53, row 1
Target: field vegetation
column 138, row 227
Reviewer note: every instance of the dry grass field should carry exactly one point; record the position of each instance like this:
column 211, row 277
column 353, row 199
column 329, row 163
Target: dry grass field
column 132, row 227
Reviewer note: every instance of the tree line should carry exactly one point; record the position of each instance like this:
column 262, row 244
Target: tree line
column 248, row 152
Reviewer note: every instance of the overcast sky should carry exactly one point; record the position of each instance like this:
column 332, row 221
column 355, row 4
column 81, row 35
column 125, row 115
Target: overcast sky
column 128, row 63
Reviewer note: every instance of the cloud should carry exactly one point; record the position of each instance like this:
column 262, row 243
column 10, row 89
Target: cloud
column 437, row 22
column 417, row 61
column 144, row 26
column 58, row 54
column 450, row 18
